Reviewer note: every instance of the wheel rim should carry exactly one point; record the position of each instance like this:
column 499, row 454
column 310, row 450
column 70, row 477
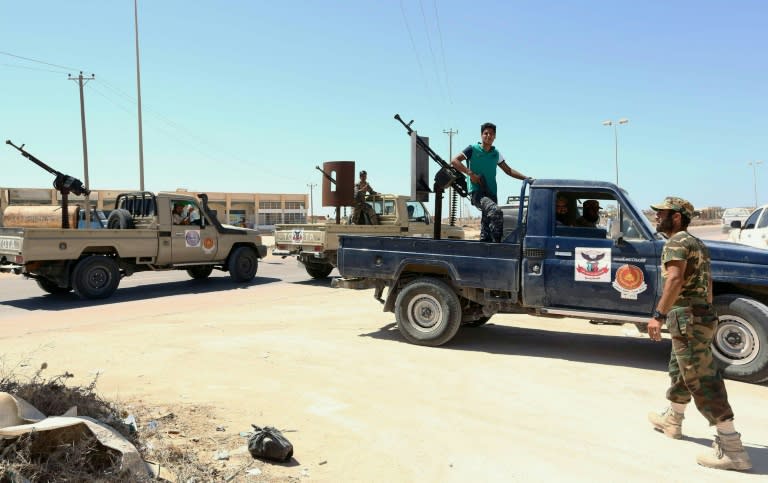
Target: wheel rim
column 425, row 313
column 98, row 278
column 245, row 265
column 735, row 341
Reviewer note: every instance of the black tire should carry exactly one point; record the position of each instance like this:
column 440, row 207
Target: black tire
column 428, row 312
column 52, row 287
column 95, row 277
column 478, row 322
column 318, row 269
column 243, row 264
column 120, row 220
column 741, row 338
column 200, row 272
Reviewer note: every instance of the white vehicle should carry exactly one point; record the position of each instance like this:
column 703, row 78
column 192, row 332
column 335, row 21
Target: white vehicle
column 733, row 214
column 753, row 231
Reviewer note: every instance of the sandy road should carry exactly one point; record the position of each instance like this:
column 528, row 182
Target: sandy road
column 520, row 399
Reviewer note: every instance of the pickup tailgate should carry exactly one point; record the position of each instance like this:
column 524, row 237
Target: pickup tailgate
column 41, row 244
column 492, row 266
column 10, row 243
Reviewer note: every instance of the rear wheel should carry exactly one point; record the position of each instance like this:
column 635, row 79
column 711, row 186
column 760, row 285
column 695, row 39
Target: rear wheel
column 243, row 263
column 52, row 287
column 200, row 272
column 318, row 269
column 95, row 277
column 428, row 312
column 741, row 337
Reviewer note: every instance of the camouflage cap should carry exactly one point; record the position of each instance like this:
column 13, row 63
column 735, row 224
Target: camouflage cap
column 675, row 204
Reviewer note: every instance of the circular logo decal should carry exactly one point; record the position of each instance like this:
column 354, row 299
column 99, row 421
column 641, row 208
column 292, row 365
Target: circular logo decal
column 629, row 277
column 208, row 243
column 192, row 237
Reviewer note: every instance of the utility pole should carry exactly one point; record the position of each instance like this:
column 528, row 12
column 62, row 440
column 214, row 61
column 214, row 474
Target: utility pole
column 81, row 81
column 311, row 187
column 754, row 165
column 452, row 196
column 138, row 90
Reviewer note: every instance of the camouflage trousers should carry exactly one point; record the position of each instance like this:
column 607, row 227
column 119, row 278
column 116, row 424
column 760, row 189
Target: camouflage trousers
column 693, row 371
column 363, row 214
column 492, row 220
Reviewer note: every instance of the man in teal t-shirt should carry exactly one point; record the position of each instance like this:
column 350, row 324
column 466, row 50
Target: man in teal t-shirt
column 482, row 160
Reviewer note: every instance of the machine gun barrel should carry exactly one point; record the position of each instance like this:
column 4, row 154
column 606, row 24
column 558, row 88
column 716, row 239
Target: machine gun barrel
column 327, row 176
column 62, row 182
column 32, row 158
column 449, row 176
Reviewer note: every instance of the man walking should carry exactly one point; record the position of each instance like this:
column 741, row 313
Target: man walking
column 686, row 307
column 482, row 159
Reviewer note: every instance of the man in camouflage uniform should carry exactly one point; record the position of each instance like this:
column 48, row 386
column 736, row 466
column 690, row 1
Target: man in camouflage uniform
column 686, row 307
column 482, row 160
column 362, row 210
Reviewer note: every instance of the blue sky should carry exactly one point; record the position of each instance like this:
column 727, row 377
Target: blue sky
column 249, row 96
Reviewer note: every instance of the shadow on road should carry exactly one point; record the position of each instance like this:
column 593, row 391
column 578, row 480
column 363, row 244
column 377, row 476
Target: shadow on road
column 142, row 292
column 590, row 348
column 614, row 350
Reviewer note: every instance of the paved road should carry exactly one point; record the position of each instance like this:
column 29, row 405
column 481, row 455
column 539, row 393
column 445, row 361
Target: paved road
column 520, row 399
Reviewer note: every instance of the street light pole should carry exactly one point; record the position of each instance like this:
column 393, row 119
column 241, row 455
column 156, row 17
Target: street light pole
column 311, row 187
column 754, row 165
column 615, row 125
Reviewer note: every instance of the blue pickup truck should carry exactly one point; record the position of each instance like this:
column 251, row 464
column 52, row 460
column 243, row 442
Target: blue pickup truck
column 544, row 268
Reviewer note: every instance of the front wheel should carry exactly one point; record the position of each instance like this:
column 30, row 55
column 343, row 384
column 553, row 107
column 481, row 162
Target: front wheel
column 741, row 337
column 95, row 277
column 243, row 263
column 200, row 272
column 428, row 312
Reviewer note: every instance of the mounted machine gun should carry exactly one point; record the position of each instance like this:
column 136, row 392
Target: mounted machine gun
column 63, row 183
column 446, row 177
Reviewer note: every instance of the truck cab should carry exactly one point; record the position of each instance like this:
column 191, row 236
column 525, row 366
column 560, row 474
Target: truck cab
column 609, row 268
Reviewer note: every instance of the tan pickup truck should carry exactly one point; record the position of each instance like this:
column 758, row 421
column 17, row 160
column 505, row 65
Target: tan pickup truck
column 314, row 245
column 144, row 232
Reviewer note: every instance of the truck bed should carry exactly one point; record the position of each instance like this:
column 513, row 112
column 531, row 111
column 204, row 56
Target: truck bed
column 41, row 244
column 471, row 263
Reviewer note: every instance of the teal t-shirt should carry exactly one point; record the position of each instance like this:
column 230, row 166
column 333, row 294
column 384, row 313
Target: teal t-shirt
column 483, row 163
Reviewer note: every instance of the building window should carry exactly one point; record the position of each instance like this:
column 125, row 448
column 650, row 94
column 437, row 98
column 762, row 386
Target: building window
column 294, row 205
column 295, row 218
column 270, row 218
column 269, row 205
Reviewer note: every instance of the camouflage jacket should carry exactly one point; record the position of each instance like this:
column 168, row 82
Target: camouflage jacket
column 686, row 247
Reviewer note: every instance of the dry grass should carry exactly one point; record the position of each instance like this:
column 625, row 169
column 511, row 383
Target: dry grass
column 179, row 441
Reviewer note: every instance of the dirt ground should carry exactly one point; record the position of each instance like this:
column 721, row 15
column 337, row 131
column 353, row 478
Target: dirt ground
column 520, row 399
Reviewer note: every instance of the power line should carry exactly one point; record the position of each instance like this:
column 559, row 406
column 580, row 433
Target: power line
column 16, row 66
column 413, row 46
column 442, row 54
column 180, row 133
column 429, row 43
column 63, row 67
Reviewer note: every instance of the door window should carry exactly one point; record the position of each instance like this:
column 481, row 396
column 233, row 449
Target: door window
column 752, row 220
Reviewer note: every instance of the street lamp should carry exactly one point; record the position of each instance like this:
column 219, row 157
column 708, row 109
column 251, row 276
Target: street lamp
column 754, row 165
column 615, row 125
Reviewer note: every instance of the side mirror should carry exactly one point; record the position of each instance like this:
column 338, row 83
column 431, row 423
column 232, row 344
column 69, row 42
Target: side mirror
column 736, row 224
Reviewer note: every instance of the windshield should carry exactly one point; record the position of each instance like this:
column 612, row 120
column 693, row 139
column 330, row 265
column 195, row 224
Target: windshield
column 639, row 211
